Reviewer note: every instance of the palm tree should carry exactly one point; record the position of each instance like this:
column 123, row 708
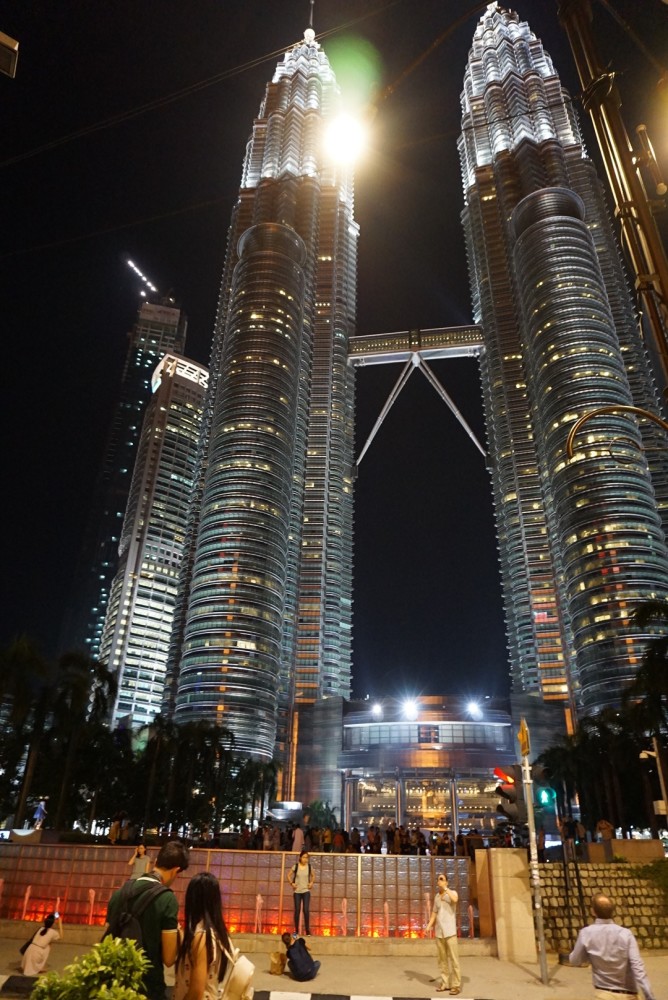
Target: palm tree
column 160, row 751
column 25, row 689
column 84, row 690
column 321, row 814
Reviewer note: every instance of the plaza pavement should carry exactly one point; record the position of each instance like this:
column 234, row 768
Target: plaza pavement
column 410, row 974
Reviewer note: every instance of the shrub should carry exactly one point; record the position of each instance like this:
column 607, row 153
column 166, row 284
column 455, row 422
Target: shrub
column 111, row 970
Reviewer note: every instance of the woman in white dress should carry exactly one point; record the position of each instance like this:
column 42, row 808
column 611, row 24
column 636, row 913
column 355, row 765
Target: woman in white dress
column 204, row 942
column 37, row 952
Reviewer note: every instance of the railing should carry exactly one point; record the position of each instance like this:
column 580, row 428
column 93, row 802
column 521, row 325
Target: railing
column 360, row 895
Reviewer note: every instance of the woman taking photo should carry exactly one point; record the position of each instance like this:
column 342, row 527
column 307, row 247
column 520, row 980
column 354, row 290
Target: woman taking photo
column 204, row 942
column 36, row 954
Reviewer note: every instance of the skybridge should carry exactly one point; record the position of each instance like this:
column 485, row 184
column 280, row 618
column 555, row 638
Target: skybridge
column 415, row 348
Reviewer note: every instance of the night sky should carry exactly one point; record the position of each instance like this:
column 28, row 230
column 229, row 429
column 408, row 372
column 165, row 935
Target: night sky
column 159, row 187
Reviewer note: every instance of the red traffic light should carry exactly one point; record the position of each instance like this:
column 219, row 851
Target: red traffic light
column 503, row 776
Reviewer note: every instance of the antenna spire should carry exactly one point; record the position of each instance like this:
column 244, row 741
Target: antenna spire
column 310, row 15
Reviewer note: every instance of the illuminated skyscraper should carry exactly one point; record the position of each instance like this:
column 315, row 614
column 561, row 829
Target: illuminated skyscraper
column 138, row 624
column 581, row 541
column 160, row 328
column 265, row 622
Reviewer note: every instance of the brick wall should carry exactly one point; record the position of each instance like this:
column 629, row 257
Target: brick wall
column 641, row 905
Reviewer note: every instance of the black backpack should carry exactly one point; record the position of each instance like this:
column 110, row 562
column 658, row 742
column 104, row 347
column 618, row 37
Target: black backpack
column 131, row 905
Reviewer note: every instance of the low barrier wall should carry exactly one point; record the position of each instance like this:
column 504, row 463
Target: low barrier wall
column 360, row 895
column 640, row 903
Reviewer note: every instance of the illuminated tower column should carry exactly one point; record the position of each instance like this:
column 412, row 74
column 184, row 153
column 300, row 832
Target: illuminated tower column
column 265, row 613
column 238, row 591
column 160, row 329
column 138, row 623
column 601, row 507
column 520, row 137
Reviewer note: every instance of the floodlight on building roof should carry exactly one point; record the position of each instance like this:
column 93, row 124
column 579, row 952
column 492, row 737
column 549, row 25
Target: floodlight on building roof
column 474, row 710
column 410, row 709
column 377, row 710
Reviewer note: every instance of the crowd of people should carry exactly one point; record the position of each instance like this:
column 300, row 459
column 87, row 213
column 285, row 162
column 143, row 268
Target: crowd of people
column 392, row 839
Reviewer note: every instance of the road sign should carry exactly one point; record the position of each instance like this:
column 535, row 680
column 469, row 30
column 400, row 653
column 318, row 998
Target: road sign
column 523, row 737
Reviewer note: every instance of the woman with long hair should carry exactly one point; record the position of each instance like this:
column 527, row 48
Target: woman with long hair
column 204, row 943
column 37, row 952
column 140, row 861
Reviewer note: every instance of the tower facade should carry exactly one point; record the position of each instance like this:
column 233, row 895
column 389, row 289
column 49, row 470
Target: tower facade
column 160, row 328
column 138, row 623
column 581, row 541
column 265, row 616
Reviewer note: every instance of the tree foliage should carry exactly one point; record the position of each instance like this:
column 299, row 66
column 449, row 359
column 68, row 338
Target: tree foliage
column 113, row 969
column 600, row 763
column 56, row 744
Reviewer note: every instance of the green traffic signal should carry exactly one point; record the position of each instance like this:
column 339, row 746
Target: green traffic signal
column 546, row 796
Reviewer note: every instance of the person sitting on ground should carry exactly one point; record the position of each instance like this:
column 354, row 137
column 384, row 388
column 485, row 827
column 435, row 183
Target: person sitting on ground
column 37, row 952
column 301, row 964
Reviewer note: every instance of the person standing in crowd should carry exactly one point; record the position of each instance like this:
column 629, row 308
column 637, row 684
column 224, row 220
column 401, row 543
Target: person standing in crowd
column 204, row 943
column 301, row 877
column 140, row 862
column 37, row 953
column 605, row 829
column 39, row 814
column 444, row 915
column 338, row 842
column 159, row 921
column 327, row 840
column 617, row 970
column 300, row 962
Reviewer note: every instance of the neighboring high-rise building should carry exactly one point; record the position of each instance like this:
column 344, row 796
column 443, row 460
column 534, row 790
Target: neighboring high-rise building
column 581, row 541
column 265, row 620
column 138, row 624
column 160, row 329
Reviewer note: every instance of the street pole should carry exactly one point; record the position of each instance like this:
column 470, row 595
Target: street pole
column 659, row 767
column 534, row 871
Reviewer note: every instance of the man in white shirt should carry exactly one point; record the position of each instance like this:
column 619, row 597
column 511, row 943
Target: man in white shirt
column 444, row 915
column 617, row 970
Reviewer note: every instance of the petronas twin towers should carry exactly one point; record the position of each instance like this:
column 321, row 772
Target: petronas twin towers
column 264, row 621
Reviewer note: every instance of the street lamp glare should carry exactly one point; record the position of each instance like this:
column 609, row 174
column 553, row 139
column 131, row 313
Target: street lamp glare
column 377, row 710
column 345, row 138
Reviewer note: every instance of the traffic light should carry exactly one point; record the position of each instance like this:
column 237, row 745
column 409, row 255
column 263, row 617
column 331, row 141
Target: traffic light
column 511, row 789
column 544, row 794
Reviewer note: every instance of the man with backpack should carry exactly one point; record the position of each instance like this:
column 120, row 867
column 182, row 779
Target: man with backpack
column 146, row 910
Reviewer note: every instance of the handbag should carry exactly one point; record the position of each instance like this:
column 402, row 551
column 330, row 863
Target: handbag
column 24, row 947
column 277, row 961
column 237, row 982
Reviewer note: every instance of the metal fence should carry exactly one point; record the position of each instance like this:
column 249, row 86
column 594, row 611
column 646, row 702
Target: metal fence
column 354, row 894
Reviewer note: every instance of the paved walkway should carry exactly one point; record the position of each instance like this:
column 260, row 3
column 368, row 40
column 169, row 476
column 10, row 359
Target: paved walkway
column 484, row 978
